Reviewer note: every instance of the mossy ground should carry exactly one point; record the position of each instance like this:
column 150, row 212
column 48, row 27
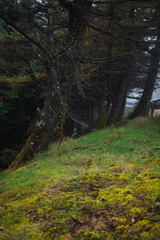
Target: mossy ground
column 104, row 185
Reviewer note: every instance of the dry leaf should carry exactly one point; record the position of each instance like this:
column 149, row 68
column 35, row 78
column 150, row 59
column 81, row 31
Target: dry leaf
column 68, row 235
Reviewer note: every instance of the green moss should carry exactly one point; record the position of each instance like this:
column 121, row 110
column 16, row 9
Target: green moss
column 86, row 193
column 137, row 212
column 143, row 224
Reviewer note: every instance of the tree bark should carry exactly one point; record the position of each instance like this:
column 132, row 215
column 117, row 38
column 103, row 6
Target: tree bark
column 121, row 111
column 103, row 114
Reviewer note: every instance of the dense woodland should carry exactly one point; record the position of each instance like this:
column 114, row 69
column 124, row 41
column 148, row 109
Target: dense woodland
column 67, row 68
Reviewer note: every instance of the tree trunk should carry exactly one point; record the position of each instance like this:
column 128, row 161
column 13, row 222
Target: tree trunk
column 42, row 133
column 117, row 102
column 121, row 112
column 142, row 109
column 103, row 114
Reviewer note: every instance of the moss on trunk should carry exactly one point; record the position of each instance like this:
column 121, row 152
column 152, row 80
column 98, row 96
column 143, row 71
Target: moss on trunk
column 42, row 133
column 35, row 143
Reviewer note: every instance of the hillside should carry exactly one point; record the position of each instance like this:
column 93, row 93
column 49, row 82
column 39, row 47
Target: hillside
column 104, row 185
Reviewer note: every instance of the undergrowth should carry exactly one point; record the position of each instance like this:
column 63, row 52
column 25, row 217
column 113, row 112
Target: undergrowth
column 105, row 185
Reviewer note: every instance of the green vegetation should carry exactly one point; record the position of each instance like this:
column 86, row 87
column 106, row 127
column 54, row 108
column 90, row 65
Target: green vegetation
column 104, row 185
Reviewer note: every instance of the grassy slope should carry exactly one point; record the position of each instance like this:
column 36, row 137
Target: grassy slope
column 101, row 186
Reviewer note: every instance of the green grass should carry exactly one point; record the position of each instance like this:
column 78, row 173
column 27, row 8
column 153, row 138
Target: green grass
column 103, row 185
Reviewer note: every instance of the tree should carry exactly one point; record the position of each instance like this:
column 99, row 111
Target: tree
column 20, row 95
column 128, row 23
column 54, row 44
column 142, row 108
